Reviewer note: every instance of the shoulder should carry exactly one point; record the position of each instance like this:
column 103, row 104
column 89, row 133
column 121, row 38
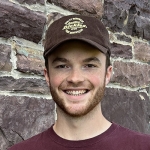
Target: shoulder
column 30, row 143
column 130, row 136
column 131, row 133
column 27, row 144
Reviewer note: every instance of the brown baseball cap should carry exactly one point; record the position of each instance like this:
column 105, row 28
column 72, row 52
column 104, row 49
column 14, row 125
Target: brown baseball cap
column 77, row 27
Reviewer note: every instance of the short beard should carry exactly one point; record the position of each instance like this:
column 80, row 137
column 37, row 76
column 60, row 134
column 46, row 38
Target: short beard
column 92, row 102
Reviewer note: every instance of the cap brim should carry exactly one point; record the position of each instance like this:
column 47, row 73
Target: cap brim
column 98, row 46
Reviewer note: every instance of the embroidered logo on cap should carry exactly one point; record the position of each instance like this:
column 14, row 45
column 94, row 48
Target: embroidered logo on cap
column 74, row 26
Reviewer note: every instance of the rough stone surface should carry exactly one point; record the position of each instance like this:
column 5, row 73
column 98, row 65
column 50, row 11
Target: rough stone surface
column 29, row 60
column 24, row 85
column 142, row 7
column 4, row 144
column 113, row 17
column 123, row 38
column 142, row 52
column 148, row 90
column 23, row 117
column 5, row 64
column 142, row 27
column 29, row 65
column 127, row 108
column 119, row 50
column 21, row 22
column 129, row 16
column 53, row 17
column 131, row 74
column 84, row 7
column 30, row 2
column 6, row 141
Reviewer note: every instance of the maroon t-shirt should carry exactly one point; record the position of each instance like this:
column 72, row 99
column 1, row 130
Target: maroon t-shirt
column 115, row 138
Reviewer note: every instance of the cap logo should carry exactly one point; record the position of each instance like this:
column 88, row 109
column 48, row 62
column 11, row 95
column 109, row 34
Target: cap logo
column 74, row 26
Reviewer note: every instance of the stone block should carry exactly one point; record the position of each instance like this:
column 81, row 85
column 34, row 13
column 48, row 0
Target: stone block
column 29, row 60
column 142, row 52
column 119, row 50
column 127, row 108
column 5, row 52
column 24, row 85
column 131, row 17
column 142, row 7
column 4, row 144
column 146, row 89
column 7, row 141
column 51, row 17
column 84, row 7
column 29, row 65
column 24, row 117
column 113, row 17
column 123, row 38
column 30, row 2
column 19, row 21
column 142, row 28
column 131, row 74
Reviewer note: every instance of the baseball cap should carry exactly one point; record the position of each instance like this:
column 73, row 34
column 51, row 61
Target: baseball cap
column 77, row 27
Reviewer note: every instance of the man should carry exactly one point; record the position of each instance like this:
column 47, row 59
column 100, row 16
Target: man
column 77, row 60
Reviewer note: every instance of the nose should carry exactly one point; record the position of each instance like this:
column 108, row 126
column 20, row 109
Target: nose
column 75, row 76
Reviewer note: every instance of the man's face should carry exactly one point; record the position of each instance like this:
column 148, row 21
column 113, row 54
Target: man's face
column 77, row 77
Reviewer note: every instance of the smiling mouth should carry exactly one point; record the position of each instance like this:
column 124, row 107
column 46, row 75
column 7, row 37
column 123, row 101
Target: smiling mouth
column 76, row 92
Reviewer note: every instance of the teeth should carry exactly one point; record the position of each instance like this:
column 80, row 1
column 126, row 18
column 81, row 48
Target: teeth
column 76, row 93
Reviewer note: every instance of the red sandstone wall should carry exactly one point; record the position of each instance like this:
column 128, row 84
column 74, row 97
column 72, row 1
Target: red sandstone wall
column 26, row 107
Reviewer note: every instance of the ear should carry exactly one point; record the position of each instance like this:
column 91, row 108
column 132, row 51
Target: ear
column 46, row 74
column 108, row 75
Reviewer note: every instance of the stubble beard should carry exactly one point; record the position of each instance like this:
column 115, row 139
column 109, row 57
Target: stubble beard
column 91, row 104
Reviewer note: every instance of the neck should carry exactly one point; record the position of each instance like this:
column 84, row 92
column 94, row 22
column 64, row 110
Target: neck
column 80, row 128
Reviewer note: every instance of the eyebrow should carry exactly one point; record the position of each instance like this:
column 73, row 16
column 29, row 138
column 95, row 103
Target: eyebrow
column 93, row 59
column 59, row 59
column 87, row 60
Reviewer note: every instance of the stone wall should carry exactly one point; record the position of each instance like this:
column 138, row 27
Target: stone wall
column 26, row 107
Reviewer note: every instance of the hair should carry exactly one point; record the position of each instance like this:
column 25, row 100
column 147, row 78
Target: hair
column 108, row 63
column 46, row 62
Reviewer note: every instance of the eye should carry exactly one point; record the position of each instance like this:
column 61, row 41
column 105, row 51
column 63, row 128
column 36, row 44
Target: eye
column 90, row 66
column 62, row 66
